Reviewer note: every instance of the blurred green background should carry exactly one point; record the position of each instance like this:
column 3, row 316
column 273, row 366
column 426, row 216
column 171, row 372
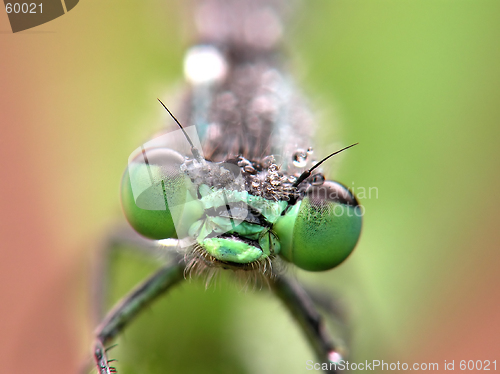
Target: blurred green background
column 417, row 83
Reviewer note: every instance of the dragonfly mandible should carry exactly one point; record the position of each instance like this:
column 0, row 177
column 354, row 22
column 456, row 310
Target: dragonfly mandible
column 234, row 186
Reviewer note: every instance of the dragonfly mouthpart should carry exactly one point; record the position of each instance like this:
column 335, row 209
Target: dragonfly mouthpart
column 200, row 262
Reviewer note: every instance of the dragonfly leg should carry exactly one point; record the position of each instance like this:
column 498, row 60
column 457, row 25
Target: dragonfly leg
column 335, row 310
column 119, row 239
column 302, row 307
column 125, row 311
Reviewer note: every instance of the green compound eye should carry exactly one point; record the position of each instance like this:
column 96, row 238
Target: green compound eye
column 322, row 229
column 157, row 198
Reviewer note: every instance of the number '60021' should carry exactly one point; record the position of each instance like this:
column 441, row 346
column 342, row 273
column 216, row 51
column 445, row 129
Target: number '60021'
column 22, row 8
column 477, row 365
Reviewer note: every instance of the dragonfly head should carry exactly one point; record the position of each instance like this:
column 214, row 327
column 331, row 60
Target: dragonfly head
column 238, row 214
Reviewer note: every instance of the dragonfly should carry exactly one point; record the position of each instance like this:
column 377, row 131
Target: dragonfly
column 234, row 185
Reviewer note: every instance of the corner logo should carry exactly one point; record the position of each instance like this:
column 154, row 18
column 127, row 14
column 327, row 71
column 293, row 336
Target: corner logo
column 25, row 15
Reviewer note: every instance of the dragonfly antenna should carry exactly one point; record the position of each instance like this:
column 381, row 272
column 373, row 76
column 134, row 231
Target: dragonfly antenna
column 194, row 150
column 307, row 173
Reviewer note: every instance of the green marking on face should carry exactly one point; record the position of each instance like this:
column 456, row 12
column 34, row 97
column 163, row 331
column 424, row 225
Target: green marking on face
column 269, row 242
column 230, row 250
column 224, row 249
column 215, row 198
